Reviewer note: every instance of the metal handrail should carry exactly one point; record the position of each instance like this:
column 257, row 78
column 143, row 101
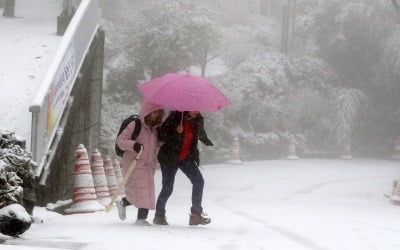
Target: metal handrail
column 51, row 100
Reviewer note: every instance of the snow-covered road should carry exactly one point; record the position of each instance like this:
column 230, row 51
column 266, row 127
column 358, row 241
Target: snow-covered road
column 296, row 205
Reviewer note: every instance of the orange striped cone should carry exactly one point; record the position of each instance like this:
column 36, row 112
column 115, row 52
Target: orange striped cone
column 396, row 151
column 292, row 153
column 99, row 178
column 84, row 194
column 118, row 173
column 235, row 152
column 110, row 176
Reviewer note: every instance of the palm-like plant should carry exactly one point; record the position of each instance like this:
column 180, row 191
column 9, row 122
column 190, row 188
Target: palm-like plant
column 347, row 106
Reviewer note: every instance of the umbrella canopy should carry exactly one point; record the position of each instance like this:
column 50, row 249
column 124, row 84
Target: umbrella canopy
column 184, row 92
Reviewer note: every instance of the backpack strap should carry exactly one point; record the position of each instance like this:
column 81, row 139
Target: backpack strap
column 138, row 127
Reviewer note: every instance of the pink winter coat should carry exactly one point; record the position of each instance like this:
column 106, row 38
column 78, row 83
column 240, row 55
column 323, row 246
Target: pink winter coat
column 139, row 189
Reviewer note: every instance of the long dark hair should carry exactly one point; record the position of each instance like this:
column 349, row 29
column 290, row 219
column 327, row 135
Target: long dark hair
column 155, row 123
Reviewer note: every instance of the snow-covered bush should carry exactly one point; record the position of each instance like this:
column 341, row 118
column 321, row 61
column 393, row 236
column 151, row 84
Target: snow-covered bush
column 112, row 117
column 10, row 186
column 257, row 88
column 14, row 220
column 17, row 169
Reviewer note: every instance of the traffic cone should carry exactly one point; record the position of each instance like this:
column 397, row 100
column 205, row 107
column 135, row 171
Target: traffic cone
column 118, row 173
column 235, row 152
column 347, row 153
column 395, row 182
column 99, row 178
column 110, row 176
column 396, row 151
column 395, row 198
column 292, row 154
column 84, row 194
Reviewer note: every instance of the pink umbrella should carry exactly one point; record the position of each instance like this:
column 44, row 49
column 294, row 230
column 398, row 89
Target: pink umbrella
column 184, row 92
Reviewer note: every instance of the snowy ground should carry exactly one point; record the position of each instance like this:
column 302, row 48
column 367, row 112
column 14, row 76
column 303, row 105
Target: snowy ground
column 283, row 204
column 27, row 46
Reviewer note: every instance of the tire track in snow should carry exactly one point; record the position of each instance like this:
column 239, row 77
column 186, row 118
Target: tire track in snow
column 317, row 186
column 284, row 232
column 278, row 229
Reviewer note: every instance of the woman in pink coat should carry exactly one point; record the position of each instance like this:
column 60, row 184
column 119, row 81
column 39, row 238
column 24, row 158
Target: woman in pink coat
column 139, row 189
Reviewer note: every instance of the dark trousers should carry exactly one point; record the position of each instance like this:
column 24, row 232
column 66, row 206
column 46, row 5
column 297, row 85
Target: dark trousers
column 192, row 171
column 142, row 212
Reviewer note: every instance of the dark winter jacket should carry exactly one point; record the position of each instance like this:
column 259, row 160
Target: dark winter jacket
column 173, row 141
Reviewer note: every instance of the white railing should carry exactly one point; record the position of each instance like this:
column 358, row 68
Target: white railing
column 52, row 98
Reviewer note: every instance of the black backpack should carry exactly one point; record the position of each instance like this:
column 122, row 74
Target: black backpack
column 135, row 133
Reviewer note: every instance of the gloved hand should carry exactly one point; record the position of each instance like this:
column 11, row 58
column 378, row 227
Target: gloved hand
column 137, row 146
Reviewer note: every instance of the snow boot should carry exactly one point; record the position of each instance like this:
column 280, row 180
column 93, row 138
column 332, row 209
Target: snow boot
column 198, row 219
column 142, row 222
column 121, row 209
column 160, row 220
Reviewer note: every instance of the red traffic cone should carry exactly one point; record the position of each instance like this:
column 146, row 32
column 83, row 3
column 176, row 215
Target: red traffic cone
column 99, row 178
column 292, row 153
column 235, row 152
column 84, row 194
column 110, row 176
column 118, row 173
column 396, row 151
column 347, row 153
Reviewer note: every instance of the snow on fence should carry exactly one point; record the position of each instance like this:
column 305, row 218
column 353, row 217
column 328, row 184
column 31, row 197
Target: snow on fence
column 53, row 97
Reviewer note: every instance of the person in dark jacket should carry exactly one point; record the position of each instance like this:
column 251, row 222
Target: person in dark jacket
column 180, row 133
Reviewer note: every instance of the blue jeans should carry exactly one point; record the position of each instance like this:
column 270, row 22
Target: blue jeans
column 192, row 171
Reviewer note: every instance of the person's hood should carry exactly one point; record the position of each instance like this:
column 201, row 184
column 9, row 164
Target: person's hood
column 147, row 108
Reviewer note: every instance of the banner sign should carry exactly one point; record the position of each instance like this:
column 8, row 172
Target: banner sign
column 60, row 88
